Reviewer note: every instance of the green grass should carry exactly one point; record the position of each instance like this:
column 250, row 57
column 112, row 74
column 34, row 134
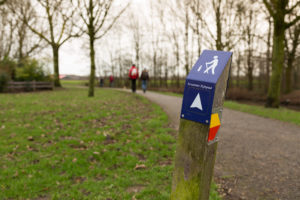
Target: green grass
column 64, row 145
column 72, row 83
column 170, row 94
column 281, row 114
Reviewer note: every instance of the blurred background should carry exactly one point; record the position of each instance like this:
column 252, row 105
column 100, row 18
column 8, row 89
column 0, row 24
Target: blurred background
column 51, row 40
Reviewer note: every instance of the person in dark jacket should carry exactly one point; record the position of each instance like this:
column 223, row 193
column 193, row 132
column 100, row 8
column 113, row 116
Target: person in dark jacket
column 144, row 78
column 133, row 75
column 101, row 82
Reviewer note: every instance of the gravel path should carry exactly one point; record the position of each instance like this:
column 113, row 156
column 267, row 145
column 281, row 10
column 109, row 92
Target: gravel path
column 257, row 158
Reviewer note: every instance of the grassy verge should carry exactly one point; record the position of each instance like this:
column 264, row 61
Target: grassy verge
column 281, row 114
column 64, row 145
column 72, row 83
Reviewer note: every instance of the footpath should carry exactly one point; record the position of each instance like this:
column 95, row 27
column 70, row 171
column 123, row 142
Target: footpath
column 257, row 158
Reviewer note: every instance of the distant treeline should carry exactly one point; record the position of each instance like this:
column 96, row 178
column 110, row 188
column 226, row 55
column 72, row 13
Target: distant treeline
column 166, row 37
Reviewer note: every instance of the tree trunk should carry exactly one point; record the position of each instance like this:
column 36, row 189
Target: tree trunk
column 160, row 76
column 178, row 66
column 288, row 76
column 219, row 44
column 250, row 72
column 155, row 68
column 186, row 42
column 177, row 62
column 249, row 57
column 273, row 99
column 20, row 47
column 137, row 53
column 296, row 73
column 55, row 49
column 238, row 70
column 291, row 58
column 166, row 77
column 93, row 67
column 268, row 56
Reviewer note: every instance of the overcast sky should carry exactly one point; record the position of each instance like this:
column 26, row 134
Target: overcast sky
column 74, row 55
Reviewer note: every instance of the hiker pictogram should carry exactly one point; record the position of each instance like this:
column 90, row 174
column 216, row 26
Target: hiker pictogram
column 213, row 64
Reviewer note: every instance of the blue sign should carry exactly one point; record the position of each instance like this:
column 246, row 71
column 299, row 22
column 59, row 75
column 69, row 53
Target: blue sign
column 200, row 85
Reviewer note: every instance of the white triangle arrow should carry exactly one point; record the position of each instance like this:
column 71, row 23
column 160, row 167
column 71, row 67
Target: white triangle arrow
column 197, row 103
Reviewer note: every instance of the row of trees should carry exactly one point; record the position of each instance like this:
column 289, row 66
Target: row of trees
column 167, row 36
column 29, row 25
column 264, row 36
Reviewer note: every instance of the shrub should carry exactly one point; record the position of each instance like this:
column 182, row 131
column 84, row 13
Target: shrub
column 31, row 70
column 7, row 67
column 3, row 81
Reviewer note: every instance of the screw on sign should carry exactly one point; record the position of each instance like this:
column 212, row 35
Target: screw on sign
column 200, row 122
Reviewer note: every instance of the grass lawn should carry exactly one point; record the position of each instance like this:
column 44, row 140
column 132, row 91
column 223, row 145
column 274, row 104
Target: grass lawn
column 281, row 114
column 72, row 83
column 64, row 145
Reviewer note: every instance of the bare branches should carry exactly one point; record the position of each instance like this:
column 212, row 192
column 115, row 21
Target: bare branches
column 290, row 10
column 269, row 8
column 95, row 14
column 112, row 23
column 60, row 20
column 293, row 22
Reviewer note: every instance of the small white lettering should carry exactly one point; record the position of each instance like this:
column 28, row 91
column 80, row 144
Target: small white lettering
column 206, row 87
column 200, row 86
column 193, row 85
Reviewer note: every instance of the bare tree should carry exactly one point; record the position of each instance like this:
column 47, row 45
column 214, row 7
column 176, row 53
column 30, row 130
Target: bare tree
column 26, row 42
column 293, row 36
column 250, row 28
column 59, row 17
column 196, row 7
column 134, row 25
column 186, row 38
column 297, row 71
column 225, row 16
column 95, row 14
column 268, row 54
column 6, row 32
column 279, row 10
column 174, row 38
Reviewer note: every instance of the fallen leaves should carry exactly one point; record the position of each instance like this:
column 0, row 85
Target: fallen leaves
column 16, row 174
column 30, row 138
column 140, row 166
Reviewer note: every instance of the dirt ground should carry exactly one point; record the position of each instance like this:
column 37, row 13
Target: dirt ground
column 257, row 158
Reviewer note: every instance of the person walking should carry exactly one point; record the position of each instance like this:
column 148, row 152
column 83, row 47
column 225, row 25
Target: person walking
column 144, row 78
column 111, row 81
column 133, row 75
column 101, row 82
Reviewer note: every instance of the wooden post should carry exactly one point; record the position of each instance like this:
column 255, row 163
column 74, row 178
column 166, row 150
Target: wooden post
column 197, row 140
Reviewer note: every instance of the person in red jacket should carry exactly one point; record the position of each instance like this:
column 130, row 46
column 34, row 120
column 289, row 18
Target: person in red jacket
column 111, row 81
column 133, row 75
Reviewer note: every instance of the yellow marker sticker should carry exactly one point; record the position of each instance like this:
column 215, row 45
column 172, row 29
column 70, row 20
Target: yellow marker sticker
column 214, row 127
column 215, row 120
